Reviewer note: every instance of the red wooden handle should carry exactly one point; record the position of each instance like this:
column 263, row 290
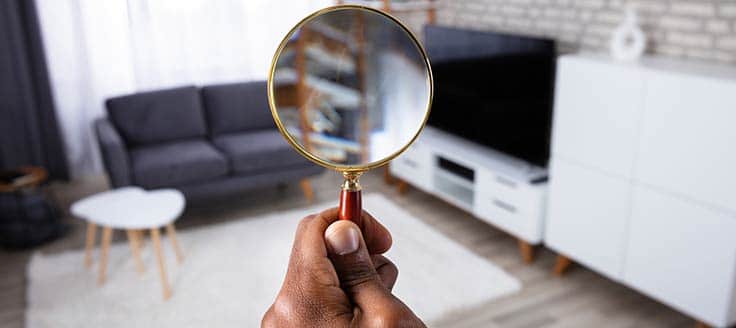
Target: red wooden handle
column 350, row 205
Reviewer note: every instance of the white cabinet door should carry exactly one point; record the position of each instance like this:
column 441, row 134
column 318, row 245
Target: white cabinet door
column 688, row 138
column 587, row 215
column 597, row 111
column 683, row 254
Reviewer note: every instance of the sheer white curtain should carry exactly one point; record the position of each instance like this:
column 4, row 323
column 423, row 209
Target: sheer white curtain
column 98, row 49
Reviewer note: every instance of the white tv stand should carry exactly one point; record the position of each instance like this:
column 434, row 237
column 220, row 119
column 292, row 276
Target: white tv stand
column 496, row 188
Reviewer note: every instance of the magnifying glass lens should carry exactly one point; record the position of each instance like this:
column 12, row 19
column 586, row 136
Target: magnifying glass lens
column 350, row 89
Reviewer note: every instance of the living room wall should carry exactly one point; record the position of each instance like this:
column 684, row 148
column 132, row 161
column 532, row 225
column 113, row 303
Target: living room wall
column 702, row 30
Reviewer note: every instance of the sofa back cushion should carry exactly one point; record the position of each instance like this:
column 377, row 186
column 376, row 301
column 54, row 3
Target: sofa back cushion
column 158, row 116
column 237, row 107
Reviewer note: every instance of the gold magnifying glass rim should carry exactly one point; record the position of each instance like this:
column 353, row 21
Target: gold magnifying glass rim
column 294, row 143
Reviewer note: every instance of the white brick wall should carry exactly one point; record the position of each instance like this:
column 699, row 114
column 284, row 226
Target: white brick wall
column 697, row 29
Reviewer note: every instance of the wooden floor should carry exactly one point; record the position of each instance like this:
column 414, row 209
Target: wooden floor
column 580, row 299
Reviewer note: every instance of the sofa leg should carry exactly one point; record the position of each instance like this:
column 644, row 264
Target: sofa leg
column 387, row 177
column 307, row 190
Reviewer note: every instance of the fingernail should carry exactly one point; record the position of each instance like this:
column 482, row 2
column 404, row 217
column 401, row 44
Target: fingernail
column 342, row 238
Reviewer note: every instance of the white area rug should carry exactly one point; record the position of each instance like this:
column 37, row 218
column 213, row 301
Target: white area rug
column 233, row 271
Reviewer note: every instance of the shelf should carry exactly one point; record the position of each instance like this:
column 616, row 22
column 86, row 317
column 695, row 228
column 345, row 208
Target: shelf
column 331, row 141
column 456, row 179
column 454, row 189
column 334, row 34
column 331, row 154
column 290, row 116
column 339, row 95
column 324, row 61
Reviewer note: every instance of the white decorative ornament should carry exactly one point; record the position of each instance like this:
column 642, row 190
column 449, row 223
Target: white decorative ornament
column 628, row 41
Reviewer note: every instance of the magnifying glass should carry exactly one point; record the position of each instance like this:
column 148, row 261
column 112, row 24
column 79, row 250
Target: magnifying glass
column 350, row 88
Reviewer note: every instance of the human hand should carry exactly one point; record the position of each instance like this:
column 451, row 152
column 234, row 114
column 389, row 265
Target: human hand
column 337, row 277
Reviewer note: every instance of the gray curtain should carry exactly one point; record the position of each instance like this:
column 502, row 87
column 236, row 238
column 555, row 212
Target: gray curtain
column 29, row 133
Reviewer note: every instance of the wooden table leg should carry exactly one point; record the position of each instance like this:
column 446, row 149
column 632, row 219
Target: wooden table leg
column 161, row 266
column 527, row 251
column 134, row 242
column 561, row 265
column 171, row 232
column 106, row 238
column 89, row 244
column 307, row 190
column 141, row 236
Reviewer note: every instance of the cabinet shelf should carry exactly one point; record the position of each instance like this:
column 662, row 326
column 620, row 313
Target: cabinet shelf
column 322, row 60
column 332, row 141
column 454, row 189
column 455, row 179
column 340, row 95
column 335, row 38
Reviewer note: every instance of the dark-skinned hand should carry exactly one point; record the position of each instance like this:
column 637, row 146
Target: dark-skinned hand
column 337, row 277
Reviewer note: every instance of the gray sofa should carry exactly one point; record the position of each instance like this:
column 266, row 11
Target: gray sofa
column 206, row 142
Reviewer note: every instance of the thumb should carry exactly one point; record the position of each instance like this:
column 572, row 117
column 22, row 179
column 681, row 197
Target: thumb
column 354, row 267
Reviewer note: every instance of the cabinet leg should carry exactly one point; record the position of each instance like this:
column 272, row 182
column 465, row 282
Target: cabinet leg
column 403, row 187
column 700, row 324
column 561, row 265
column 527, row 251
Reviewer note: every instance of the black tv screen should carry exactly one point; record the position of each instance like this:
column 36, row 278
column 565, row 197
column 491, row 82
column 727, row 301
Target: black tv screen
column 493, row 89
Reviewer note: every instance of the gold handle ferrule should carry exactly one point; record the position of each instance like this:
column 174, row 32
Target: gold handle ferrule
column 352, row 182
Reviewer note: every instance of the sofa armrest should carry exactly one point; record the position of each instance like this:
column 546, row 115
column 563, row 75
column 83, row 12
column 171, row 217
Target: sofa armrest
column 114, row 153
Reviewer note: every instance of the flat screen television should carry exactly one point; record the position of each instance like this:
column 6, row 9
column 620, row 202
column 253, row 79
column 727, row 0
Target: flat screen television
column 493, row 89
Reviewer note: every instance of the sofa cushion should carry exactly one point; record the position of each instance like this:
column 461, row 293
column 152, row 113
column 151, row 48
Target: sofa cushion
column 176, row 163
column 237, row 107
column 258, row 151
column 158, row 116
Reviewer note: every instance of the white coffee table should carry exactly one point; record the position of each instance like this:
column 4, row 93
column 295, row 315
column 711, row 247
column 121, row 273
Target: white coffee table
column 134, row 210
